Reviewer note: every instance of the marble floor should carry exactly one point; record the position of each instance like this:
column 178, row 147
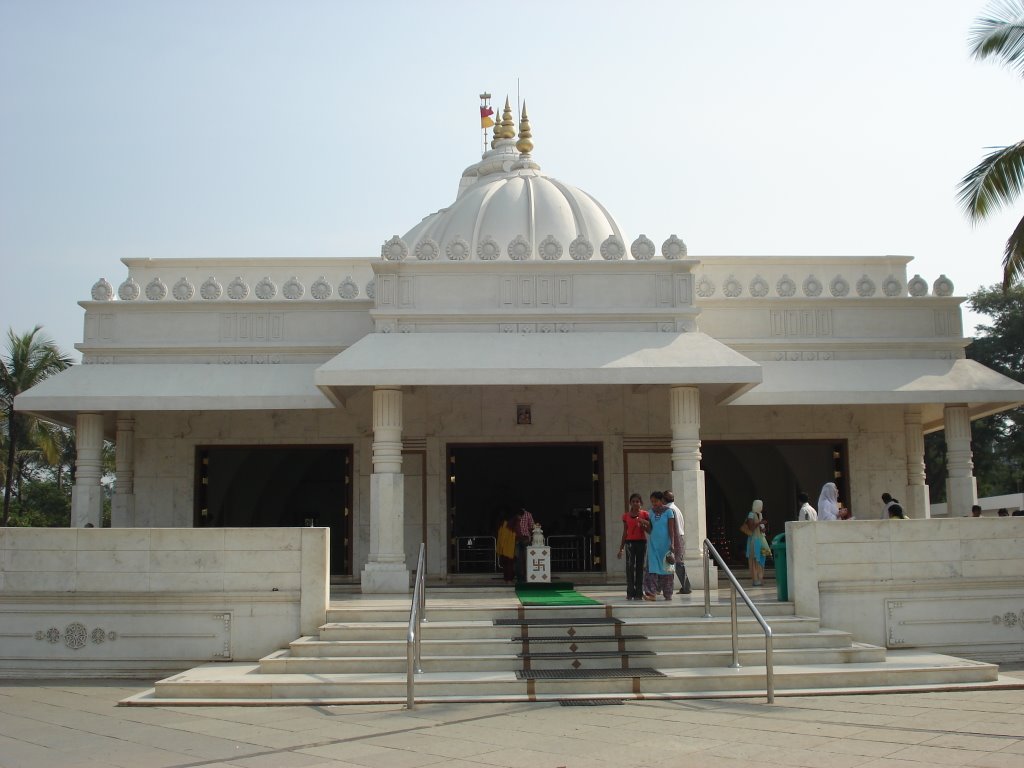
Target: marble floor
column 77, row 724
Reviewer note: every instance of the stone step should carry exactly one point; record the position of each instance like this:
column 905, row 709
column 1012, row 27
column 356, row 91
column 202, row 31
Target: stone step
column 244, row 683
column 691, row 606
column 454, row 646
column 644, row 624
column 285, row 662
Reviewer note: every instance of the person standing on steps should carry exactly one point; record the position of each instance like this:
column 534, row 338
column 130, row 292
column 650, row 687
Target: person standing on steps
column 684, row 580
column 524, row 535
column 635, row 524
column 662, row 549
column 756, row 543
column 506, row 546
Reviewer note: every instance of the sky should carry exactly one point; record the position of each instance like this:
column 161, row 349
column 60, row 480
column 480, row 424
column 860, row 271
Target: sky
column 312, row 128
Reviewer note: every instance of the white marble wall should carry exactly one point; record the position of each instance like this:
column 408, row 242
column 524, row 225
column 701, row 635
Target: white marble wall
column 148, row 600
column 620, row 418
column 953, row 585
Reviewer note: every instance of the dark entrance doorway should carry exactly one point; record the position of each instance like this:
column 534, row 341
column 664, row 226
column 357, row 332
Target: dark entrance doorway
column 559, row 483
column 278, row 486
column 737, row 473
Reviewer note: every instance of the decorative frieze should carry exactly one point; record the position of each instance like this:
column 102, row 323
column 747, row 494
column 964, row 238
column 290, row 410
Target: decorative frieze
column 156, row 289
column 643, row 248
column 251, row 326
column 805, row 354
column 801, row 323
column 183, row 290
column 102, row 290
column 865, row 287
column 580, row 249
column 943, row 286
column 211, row 289
column 839, row 287
column 129, row 290
column 673, row 248
column 238, row 289
column 812, row 286
column 266, row 289
column 76, row 635
column 979, row 620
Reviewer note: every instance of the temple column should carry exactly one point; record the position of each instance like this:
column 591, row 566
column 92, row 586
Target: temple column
column 385, row 569
column 916, row 501
column 122, row 506
column 688, row 479
column 87, row 495
column 961, row 487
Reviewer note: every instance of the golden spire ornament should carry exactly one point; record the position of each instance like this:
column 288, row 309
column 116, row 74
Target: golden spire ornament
column 524, row 145
column 508, row 126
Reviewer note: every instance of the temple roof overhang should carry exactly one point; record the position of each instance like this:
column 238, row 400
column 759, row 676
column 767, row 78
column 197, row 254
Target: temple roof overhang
column 929, row 383
column 525, row 359
column 173, row 387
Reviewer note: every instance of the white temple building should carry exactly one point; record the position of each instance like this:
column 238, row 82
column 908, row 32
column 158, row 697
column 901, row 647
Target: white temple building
column 516, row 348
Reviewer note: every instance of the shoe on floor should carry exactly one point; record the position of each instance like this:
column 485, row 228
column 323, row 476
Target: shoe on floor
column 650, row 598
column 685, row 591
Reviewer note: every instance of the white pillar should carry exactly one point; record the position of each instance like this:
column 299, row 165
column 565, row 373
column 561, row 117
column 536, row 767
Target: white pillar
column 122, row 506
column 916, row 501
column 385, row 569
column 961, row 487
column 688, row 479
column 87, row 496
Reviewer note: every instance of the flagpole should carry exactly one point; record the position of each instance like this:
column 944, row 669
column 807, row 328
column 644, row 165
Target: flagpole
column 485, row 105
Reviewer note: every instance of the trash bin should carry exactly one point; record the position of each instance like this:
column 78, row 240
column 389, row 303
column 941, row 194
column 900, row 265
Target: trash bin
column 781, row 575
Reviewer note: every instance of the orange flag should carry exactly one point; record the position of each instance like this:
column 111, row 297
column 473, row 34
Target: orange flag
column 485, row 117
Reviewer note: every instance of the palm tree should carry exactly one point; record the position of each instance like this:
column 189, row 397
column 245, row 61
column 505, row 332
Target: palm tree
column 998, row 179
column 30, row 358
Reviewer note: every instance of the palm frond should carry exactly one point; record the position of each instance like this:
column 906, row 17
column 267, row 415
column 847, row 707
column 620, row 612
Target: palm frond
column 996, row 181
column 1013, row 257
column 999, row 34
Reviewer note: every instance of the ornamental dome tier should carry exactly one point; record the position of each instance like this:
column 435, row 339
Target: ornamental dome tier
column 508, row 209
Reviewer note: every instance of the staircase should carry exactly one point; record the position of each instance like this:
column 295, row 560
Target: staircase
column 493, row 649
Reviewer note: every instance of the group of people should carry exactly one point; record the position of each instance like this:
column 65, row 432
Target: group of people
column 514, row 536
column 829, row 505
column 831, row 508
column 653, row 542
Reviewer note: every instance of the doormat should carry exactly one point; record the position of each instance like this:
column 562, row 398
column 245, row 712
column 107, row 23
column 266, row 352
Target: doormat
column 556, row 593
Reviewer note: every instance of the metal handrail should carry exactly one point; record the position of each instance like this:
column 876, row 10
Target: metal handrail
column 413, row 659
column 709, row 551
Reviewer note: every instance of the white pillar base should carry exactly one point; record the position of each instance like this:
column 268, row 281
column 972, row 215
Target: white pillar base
column 917, row 503
column 122, row 510
column 86, row 506
column 384, row 578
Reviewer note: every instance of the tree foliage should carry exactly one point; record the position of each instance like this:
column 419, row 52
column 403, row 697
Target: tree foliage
column 29, row 359
column 999, row 178
column 997, row 441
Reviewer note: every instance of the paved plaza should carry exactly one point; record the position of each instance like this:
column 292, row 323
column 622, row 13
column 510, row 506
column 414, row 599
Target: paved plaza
column 77, row 724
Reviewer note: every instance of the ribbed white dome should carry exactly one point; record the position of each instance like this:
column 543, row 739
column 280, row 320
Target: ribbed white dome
column 508, row 209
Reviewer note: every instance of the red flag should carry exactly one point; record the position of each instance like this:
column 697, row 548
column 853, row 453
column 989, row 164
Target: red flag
column 485, row 117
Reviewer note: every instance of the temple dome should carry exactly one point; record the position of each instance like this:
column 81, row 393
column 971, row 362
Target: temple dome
column 508, row 209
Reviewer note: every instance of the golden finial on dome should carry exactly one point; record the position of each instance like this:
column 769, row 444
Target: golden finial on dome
column 524, row 144
column 508, row 126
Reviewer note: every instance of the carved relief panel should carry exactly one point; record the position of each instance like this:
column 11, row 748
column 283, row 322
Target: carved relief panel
column 801, row 323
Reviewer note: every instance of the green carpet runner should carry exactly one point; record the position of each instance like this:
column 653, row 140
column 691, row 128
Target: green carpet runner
column 555, row 593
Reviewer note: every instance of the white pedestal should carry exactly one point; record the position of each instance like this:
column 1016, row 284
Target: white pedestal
column 538, row 564
column 384, row 578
